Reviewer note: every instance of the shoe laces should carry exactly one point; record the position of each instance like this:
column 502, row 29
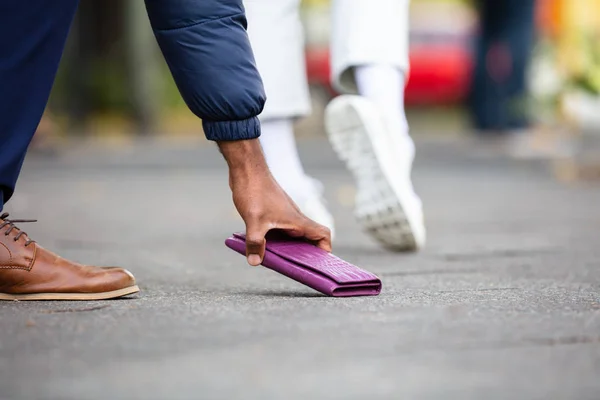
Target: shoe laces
column 10, row 223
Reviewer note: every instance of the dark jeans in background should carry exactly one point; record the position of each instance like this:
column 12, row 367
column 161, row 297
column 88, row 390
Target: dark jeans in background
column 497, row 102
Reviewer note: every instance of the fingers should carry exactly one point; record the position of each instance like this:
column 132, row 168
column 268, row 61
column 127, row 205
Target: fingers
column 255, row 242
column 312, row 231
column 318, row 234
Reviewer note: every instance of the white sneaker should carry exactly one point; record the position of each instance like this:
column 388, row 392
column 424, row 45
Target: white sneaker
column 380, row 159
column 314, row 206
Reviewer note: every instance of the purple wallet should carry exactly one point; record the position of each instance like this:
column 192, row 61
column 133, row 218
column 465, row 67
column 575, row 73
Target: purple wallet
column 313, row 267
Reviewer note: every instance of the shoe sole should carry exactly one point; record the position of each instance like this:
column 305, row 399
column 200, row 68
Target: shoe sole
column 378, row 208
column 71, row 296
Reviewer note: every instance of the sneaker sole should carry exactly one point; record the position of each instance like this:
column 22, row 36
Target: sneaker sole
column 378, row 208
column 71, row 296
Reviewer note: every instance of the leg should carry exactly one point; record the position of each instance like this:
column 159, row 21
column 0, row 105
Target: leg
column 370, row 53
column 498, row 90
column 276, row 36
column 32, row 37
column 492, row 68
column 520, row 38
column 370, row 132
column 275, row 32
column 367, row 33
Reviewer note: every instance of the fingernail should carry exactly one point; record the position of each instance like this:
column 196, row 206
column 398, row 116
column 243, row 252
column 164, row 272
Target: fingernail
column 253, row 259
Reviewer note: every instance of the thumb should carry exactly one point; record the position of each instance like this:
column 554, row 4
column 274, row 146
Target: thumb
column 255, row 243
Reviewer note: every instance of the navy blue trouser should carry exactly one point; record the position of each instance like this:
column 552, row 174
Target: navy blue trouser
column 204, row 42
column 32, row 38
column 499, row 94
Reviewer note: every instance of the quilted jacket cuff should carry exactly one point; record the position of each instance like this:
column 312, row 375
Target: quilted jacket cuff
column 232, row 130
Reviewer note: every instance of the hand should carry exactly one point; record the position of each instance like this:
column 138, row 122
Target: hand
column 264, row 206
column 261, row 202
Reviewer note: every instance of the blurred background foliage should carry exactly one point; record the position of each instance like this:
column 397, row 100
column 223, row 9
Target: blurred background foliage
column 113, row 78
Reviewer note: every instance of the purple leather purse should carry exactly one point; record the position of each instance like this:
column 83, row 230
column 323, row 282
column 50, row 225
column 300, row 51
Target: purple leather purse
column 313, row 267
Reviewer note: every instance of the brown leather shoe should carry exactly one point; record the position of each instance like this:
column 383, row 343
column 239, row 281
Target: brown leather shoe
column 30, row 272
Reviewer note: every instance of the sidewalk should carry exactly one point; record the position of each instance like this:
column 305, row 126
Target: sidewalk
column 503, row 304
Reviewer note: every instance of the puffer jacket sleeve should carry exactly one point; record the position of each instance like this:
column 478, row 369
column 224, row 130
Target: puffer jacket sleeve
column 208, row 52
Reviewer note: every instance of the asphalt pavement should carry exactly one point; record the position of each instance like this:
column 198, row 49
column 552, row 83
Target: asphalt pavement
column 504, row 303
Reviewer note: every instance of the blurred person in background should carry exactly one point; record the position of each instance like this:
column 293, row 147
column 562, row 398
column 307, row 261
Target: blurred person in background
column 498, row 99
column 207, row 49
column 367, row 127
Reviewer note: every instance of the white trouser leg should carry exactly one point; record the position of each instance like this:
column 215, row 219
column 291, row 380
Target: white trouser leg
column 275, row 32
column 367, row 32
column 279, row 145
column 276, row 35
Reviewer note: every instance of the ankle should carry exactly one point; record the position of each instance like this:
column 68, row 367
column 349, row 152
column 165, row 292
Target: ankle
column 384, row 86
